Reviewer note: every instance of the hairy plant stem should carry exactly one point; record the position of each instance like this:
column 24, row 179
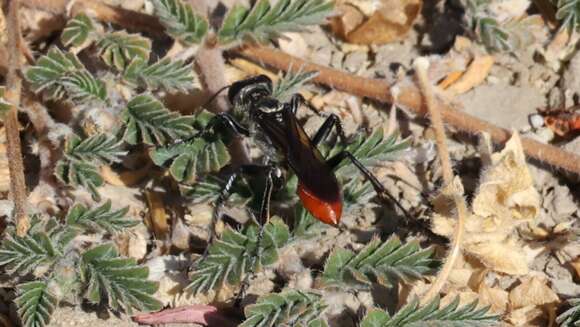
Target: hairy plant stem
column 452, row 188
column 13, row 89
column 421, row 66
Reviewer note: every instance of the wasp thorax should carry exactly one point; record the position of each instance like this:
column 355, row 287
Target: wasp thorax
column 268, row 106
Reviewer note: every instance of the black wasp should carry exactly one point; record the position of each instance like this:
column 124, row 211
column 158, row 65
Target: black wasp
column 275, row 128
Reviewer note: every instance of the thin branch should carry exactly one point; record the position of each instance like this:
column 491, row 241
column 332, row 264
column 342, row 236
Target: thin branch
column 410, row 97
column 13, row 89
column 452, row 187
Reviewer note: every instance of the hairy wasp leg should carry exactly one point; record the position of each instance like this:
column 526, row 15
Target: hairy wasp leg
column 297, row 100
column 331, row 121
column 227, row 119
column 273, row 179
column 224, row 195
column 379, row 188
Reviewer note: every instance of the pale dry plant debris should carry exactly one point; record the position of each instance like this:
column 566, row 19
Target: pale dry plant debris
column 453, row 189
column 506, row 198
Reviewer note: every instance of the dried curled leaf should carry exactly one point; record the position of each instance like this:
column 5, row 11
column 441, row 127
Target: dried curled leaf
column 390, row 23
column 506, row 256
column 505, row 199
column 532, row 291
column 474, row 75
column 506, row 189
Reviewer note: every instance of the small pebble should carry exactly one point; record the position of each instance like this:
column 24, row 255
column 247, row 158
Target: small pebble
column 536, row 121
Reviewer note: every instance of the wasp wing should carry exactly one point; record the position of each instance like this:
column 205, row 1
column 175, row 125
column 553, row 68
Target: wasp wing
column 303, row 157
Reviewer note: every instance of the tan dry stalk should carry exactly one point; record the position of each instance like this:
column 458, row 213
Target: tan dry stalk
column 421, row 66
column 12, row 95
column 452, row 186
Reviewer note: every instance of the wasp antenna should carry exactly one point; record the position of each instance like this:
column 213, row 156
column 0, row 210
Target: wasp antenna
column 215, row 95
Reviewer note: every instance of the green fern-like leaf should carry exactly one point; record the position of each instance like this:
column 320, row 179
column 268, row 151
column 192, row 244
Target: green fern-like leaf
column 192, row 158
column 411, row 315
column 83, row 156
column 492, row 34
column 305, row 225
column 76, row 173
column 117, row 49
column 378, row 262
column 263, row 22
column 119, row 281
column 180, row 21
column 98, row 148
column 35, row 303
column 100, row 218
column 570, row 317
column 568, row 14
column 290, row 83
column 61, row 75
column 147, row 120
column 77, row 31
column 230, row 257
column 356, row 193
column 289, row 308
column 369, row 150
column 165, row 74
column 208, row 188
column 21, row 255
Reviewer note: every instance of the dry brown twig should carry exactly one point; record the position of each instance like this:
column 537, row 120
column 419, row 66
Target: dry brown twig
column 409, row 97
column 452, row 187
column 13, row 89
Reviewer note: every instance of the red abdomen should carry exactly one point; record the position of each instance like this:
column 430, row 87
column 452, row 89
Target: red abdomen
column 325, row 211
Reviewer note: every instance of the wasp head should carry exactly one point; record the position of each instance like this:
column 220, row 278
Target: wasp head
column 243, row 94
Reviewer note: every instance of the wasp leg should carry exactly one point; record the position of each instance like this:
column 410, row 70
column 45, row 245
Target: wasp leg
column 273, row 179
column 331, row 121
column 224, row 195
column 222, row 117
column 379, row 188
column 229, row 121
